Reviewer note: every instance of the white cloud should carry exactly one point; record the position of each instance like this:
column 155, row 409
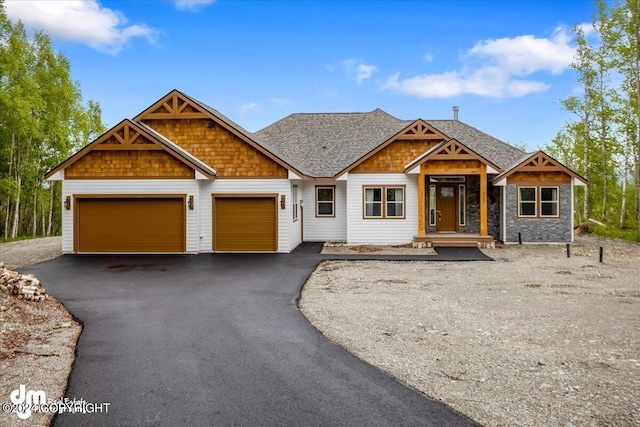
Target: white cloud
column 247, row 108
column 192, row 5
column 361, row 71
column 428, row 57
column 83, row 21
column 494, row 68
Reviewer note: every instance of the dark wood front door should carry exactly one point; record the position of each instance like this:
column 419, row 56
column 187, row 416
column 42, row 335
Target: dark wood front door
column 446, row 208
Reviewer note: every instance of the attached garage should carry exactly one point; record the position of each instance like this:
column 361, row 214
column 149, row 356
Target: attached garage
column 242, row 223
column 130, row 224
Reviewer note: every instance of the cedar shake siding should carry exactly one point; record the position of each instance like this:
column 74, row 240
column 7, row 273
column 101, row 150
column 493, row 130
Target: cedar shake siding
column 394, row 157
column 219, row 148
column 128, row 164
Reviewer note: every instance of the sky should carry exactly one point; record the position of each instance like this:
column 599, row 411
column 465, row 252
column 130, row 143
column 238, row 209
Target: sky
column 505, row 63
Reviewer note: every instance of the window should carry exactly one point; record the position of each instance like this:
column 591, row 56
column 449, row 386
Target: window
column 294, row 202
column 325, row 201
column 527, row 201
column 383, row 202
column 541, row 202
column 373, row 202
column 432, row 205
column 548, row 201
column 462, row 211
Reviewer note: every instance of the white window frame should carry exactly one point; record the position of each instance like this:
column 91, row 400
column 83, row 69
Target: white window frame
column 462, row 205
column 373, row 202
column 401, row 203
column 534, row 201
column 383, row 202
column 556, row 202
column 332, row 202
column 294, row 202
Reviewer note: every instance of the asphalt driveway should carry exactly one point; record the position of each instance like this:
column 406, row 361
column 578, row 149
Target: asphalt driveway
column 207, row 340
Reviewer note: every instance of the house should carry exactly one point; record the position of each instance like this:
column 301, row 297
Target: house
column 182, row 177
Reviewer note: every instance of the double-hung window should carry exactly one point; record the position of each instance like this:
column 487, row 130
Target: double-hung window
column 383, row 202
column 548, row 201
column 538, row 202
column 325, row 201
column 373, row 202
column 527, row 201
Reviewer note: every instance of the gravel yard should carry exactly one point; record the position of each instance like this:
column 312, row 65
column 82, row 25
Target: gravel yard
column 533, row 339
column 37, row 339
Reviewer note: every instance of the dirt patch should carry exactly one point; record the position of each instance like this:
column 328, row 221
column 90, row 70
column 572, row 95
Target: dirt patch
column 37, row 339
column 532, row 339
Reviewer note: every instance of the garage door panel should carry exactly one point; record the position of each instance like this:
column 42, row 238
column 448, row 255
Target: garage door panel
column 245, row 224
column 131, row 225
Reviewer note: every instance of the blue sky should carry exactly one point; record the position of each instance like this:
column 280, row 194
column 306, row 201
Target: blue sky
column 505, row 63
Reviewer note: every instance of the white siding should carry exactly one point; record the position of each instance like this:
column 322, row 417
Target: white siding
column 295, row 230
column 185, row 187
column 381, row 231
column 324, row 229
column 243, row 186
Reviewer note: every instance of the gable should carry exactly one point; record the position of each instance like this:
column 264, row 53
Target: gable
column 174, row 105
column 538, row 167
column 215, row 145
column 211, row 137
column 127, row 164
column 394, row 157
column 451, row 152
column 396, row 152
column 128, row 150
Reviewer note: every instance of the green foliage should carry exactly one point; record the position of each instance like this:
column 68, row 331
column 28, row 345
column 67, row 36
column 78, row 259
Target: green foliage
column 603, row 142
column 42, row 121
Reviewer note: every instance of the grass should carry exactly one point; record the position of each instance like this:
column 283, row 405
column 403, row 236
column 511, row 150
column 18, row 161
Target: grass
column 19, row 238
column 626, row 234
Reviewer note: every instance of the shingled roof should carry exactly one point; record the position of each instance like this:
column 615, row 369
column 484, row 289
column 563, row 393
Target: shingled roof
column 325, row 144
column 498, row 152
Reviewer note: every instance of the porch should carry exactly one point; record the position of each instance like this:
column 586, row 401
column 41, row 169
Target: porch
column 458, row 240
column 453, row 197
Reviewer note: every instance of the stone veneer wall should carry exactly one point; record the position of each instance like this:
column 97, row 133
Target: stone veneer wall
column 539, row 229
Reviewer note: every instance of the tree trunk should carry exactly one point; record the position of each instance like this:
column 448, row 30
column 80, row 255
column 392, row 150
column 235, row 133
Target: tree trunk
column 585, row 204
column 16, row 211
column 623, row 204
column 50, row 222
column 603, row 138
column 34, row 225
column 6, row 220
column 637, row 25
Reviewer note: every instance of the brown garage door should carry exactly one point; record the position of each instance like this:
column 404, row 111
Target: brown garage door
column 245, row 224
column 130, row 225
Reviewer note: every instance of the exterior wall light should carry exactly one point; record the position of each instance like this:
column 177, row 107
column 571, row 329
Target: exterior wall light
column 67, row 203
column 283, row 202
column 190, row 203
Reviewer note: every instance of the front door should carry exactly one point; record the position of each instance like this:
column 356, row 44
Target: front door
column 446, row 208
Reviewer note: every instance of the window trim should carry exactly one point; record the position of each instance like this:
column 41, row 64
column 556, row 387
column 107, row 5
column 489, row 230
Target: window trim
column 383, row 210
column 557, row 201
column 333, row 201
column 462, row 205
column 294, row 202
column 534, row 201
column 538, row 201
column 364, row 201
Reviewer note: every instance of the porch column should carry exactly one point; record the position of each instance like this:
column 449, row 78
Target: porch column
column 421, row 203
column 483, row 201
